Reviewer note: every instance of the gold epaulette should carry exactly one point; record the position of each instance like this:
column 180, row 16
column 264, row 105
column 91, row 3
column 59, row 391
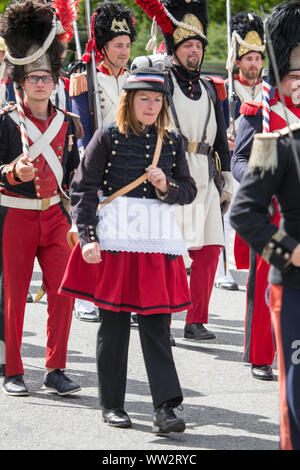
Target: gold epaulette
column 264, row 149
column 264, row 153
column 78, row 84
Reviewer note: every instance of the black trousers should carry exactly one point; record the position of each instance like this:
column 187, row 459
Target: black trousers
column 112, row 354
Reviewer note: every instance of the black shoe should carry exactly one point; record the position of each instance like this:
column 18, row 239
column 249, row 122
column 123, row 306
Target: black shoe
column 15, row 386
column 87, row 316
column 166, row 421
column 57, row 382
column 29, row 299
column 227, row 285
column 263, row 372
column 116, row 417
column 134, row 320
column 197, row 332
column 172, row 340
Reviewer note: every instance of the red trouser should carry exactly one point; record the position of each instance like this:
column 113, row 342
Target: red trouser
column 258, row 343
column 203, row 270
column 285, row 306
column 28, row 234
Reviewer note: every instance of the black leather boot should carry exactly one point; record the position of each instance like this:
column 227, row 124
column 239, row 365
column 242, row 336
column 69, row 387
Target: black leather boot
column 116, row 417
column 166, row 421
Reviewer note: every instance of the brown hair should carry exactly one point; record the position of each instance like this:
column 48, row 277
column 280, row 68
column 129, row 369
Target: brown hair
column 126, row 119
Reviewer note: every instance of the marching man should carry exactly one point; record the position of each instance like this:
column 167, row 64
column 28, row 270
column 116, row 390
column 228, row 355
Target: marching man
column 38, row 153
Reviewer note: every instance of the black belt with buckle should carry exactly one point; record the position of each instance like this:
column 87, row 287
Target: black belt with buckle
column 204, row 149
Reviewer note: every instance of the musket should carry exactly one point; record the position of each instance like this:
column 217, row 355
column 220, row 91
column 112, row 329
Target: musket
column 231, row 93
column 76, row 35
column 93, row 91
column 278, row 83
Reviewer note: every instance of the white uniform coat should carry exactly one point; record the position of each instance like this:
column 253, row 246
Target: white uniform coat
column 111, row 90
column 200, row 221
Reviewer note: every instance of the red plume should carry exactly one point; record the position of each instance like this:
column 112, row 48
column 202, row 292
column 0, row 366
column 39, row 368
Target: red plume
column 91, row 45
column 155, row 8
column 66, row 11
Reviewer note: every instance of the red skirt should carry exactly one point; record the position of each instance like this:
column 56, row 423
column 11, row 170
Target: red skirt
column 145, row 283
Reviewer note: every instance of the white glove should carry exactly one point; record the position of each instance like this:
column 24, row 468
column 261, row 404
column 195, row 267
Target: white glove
column 225, row 201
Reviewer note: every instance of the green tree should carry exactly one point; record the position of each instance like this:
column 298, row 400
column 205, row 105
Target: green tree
column 217, row 34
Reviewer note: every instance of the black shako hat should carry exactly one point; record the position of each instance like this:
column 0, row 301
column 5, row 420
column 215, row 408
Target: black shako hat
column 179, row 20
column 247, row 35
column 247, row 29
column 284, row 32
column 110, row 19
column 189, row 19
column 32, row 35
column 146, row 78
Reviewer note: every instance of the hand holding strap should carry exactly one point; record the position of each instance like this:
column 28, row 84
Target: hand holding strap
column 129, row 187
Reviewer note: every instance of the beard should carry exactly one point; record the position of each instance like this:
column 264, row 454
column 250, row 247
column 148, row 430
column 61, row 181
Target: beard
column 193, row 62
column 252, row 74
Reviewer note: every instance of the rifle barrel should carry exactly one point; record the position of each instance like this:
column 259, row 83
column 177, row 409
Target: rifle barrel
column 96, row 100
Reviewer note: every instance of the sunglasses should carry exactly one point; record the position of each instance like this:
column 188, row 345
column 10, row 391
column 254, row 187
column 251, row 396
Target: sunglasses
column 34, row 79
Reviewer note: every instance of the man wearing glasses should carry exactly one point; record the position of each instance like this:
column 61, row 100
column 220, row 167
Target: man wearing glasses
column 33, row 221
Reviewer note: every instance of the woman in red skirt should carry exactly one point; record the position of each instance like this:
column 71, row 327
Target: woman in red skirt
column 129, row 255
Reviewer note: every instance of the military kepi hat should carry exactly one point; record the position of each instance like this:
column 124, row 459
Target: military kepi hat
column 146, row 78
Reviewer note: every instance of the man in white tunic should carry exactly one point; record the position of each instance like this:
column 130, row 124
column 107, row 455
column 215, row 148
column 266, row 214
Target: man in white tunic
column 196, row 109
column 113, row 32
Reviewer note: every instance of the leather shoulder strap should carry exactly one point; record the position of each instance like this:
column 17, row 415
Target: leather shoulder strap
column 129, row 187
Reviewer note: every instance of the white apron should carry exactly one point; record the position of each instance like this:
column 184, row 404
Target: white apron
column 200, row 221
column 139, row 225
